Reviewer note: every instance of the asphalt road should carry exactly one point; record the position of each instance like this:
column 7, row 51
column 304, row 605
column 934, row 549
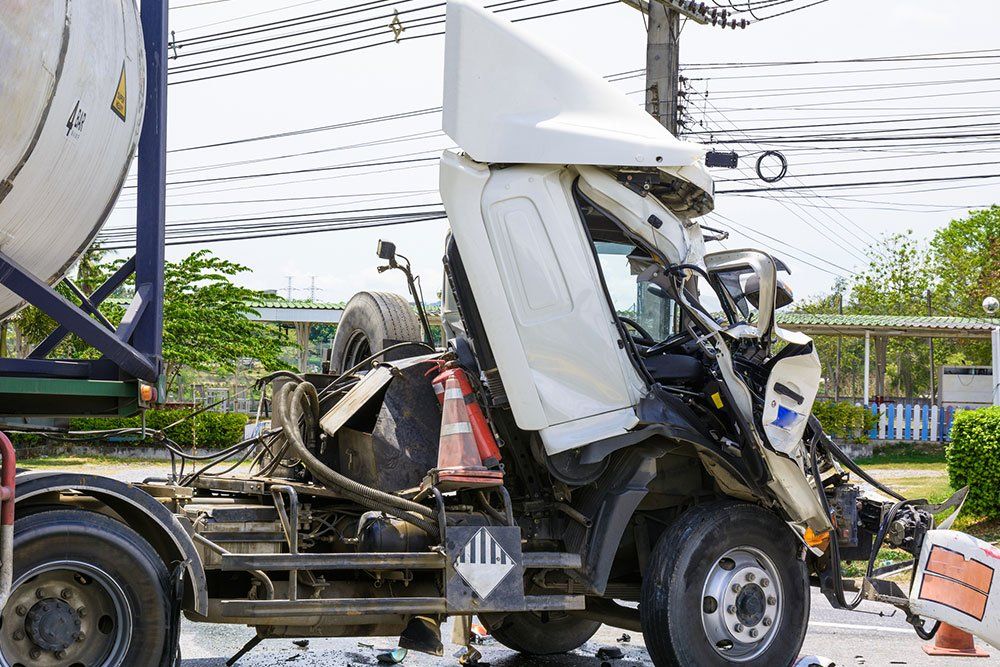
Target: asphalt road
column 847, row 638
column 861, row 637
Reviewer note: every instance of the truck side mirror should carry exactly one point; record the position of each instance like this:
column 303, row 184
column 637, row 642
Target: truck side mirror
column 386, row 250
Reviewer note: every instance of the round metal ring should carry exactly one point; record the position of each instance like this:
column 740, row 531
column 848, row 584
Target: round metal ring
column 741, row 604
column 781, row 172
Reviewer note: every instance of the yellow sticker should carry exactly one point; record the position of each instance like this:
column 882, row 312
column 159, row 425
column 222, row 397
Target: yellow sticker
column 717, row 399
column 118, row 104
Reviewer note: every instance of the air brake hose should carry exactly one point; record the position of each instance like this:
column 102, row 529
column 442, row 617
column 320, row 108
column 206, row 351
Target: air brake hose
column 305, row 393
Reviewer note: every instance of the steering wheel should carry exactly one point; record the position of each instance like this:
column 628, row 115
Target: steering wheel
column 667, row 343
column 644, row 337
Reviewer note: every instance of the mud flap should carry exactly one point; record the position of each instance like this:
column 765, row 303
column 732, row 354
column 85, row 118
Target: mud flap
column 485, row 569
column 956, row 581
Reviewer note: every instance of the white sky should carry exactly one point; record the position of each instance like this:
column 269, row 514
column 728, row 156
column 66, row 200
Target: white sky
column 394, row 78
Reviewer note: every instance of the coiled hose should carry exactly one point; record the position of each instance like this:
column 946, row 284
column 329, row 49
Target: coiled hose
column 302, row 404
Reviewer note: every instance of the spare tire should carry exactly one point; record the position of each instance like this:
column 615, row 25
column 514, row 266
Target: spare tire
column 373, row 321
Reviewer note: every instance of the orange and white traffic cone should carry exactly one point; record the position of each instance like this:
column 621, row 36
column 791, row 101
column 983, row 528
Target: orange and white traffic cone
column 459, row 464
column 951, row 641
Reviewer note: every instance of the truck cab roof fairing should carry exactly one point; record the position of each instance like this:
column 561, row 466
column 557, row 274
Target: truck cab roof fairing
column 509, row 98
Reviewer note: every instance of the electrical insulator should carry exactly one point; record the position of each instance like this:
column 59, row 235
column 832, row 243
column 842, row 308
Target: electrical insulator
column 732, row 24
column 743, row 23
column 702, row 9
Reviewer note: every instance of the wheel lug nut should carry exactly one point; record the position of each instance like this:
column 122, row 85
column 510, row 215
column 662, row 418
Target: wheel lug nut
column 767, row 621
column 772, row 600
column 60, row 655
column 81, row 612
column 765, row 583
column 753, row 633
column 18, row 635
column 66, row 594
column 21, row 610
column 80, row 636
column 736, row 588
column 738, row 627
column 731, row 609
column 39, row 593
column 34, row 653
column 750, row 576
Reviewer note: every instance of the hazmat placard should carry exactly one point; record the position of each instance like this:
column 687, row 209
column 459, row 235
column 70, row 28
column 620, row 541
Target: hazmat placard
column 118, row 103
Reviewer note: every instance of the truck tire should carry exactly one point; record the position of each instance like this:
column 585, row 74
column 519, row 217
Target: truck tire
column 372, row 321
column 87, row 590
column 725, row 586
column 540, row 633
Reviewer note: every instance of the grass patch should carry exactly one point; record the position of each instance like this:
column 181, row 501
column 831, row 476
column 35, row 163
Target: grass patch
column 77, row 461
column 908, row 458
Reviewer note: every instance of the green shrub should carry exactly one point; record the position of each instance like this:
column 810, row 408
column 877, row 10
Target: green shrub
column 208, row 430
column 844, row 421
column 974, row 459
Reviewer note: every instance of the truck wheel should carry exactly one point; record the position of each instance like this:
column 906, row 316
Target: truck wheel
column 541, row 633
column 724, row 586
column 372, row 321
column 87, row 590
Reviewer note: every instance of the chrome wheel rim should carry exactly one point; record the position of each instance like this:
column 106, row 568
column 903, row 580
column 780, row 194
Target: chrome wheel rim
column 64, row 614
column 741, row 604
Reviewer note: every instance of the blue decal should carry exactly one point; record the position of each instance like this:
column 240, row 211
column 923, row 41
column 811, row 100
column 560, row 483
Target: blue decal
column 786, row 418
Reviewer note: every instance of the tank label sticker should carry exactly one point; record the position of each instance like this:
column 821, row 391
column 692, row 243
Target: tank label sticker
column 118, row 103
column 483, row 563
column 74, row 125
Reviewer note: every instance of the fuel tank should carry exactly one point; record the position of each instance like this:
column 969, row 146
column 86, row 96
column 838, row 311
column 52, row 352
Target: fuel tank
column 72, row 89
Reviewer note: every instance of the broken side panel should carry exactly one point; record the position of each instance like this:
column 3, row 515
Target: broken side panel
column 957, row 581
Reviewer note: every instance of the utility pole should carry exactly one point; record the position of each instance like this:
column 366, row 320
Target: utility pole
column 836, row 374
column 663, row 32
column 289, row 288
column 663, row 64
column 930, row 345
column 312, row 288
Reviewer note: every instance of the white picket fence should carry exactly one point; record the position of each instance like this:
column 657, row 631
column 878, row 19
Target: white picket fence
column 903, row 421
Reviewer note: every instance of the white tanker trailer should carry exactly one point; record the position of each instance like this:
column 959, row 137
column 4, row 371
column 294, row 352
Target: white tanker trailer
column 72, row 88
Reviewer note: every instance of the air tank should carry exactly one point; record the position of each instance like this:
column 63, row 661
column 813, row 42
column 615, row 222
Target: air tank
column 72, row 89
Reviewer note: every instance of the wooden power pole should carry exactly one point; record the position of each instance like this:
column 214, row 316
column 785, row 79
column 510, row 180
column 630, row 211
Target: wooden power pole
column 663, row 64
column 663, row 49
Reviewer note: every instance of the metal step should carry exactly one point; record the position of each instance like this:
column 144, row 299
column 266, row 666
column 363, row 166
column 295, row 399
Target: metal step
column 376, row 561
column 366, row 606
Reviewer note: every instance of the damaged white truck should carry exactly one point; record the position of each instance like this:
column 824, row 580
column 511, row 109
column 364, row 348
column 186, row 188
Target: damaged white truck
column 613, row 430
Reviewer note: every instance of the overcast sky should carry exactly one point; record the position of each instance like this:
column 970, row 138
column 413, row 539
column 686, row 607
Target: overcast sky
column 407, row 76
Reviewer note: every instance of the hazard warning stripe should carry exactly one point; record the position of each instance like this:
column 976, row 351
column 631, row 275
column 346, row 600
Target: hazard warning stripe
column 953, row 594
column 484, row 550
column 953, row 565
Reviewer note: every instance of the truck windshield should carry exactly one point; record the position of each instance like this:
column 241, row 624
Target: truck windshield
column 620, row 264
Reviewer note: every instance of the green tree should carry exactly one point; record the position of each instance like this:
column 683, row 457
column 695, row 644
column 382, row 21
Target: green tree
column 205, row 324
column 966, row 260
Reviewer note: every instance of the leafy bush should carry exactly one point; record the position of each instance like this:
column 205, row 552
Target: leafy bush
column 845, row 422
column 208, row 430
column 974, row 459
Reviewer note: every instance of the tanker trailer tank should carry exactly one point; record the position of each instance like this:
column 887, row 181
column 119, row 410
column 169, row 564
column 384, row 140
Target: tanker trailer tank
column 72, row 89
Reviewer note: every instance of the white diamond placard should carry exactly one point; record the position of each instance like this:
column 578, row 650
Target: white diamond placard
column 483, row 563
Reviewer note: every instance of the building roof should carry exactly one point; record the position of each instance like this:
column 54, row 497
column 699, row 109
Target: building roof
column 921, row 326
column 277, row 302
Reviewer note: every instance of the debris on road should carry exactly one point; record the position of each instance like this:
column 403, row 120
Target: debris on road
column 610, row 653
column 392, row 657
